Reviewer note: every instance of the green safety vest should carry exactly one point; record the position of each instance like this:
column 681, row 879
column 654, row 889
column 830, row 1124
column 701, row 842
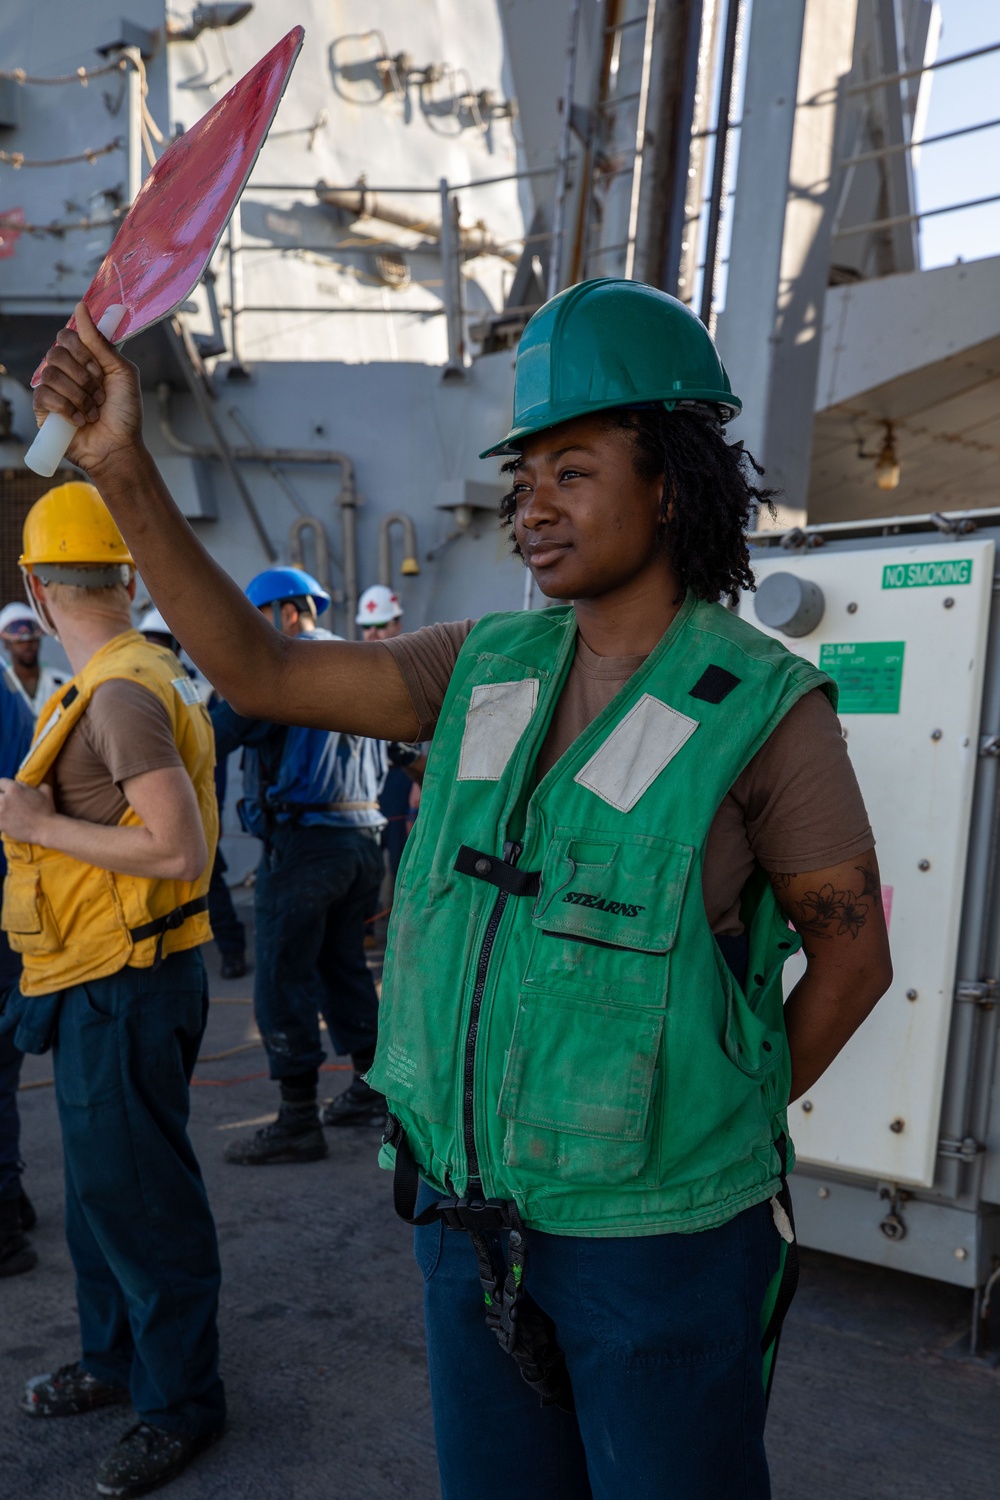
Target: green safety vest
column 558, row 1027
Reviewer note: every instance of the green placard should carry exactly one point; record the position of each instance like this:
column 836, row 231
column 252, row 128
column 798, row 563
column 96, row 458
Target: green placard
column 869, row 674
column 921, row 575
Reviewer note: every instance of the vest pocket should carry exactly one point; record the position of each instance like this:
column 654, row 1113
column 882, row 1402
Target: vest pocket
column 751, row 1042
column 28, row 919
column 577, row 1088
column 419, row 1042
column 606, row 916
column 754, row 1036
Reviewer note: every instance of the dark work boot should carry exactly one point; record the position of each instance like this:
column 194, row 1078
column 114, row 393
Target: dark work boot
column 16, row 1252
column 357, row 1105
column 296, row 1135
column 27, row 1216
column 234, row 965
column 68, row 1392
column 146, row 1457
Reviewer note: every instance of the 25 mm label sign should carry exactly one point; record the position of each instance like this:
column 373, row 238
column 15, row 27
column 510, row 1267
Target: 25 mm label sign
column 922, row 575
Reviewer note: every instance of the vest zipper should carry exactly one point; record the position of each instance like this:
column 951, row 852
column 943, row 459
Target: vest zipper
column 511, row 855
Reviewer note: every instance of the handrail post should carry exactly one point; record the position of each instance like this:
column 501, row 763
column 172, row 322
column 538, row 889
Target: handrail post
column 451, row 278
column 565, row 143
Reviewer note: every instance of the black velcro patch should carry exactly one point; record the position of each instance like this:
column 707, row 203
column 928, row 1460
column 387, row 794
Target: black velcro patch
column 714, row 684
column 69, row 696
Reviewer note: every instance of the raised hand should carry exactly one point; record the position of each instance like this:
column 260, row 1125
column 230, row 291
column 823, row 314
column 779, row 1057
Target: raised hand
column 89, row 383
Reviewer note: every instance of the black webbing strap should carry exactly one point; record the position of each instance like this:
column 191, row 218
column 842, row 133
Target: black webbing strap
column 406, row 1178
column 789, row 1271
column 522, row 1329
column 160, row 926
column 490, row 867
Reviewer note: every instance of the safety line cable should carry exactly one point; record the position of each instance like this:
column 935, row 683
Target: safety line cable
column 148, row 129
column 17, row 159
column 147, row 125
column 58, row 227
column 81, row 76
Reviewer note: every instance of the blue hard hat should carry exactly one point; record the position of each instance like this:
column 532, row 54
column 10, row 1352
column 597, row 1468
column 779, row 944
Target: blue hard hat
column 276, row 584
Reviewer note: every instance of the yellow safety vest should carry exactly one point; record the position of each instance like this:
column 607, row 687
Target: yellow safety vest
column 71, row 921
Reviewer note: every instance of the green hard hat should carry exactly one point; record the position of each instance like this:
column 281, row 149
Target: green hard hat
column 608, row 343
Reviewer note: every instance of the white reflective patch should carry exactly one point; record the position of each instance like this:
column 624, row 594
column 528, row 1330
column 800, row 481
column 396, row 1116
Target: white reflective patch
column 50, row 724
column 498, row 716
column 187, row 690
column 635, row 752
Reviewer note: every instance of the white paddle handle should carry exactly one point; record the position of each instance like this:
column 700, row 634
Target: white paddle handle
column 56, row 433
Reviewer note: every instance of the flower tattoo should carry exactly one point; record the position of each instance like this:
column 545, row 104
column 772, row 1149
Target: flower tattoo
column 828, row 912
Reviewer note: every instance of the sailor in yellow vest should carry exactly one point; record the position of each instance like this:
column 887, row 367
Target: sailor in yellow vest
column 109, row 831
column 629, row 796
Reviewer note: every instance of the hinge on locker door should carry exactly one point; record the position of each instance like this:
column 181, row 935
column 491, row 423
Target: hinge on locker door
column 967, row 1149
column 979, row 992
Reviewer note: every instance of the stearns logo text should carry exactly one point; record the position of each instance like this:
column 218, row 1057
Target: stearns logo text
column 598, row 903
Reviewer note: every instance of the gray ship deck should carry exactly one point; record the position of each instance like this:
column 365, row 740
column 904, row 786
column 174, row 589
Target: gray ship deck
column 323, row 1347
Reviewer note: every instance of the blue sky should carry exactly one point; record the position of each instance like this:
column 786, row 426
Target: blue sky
column 969, row 167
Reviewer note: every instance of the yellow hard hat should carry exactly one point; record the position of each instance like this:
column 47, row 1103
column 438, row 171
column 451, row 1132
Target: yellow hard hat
column 71, row 524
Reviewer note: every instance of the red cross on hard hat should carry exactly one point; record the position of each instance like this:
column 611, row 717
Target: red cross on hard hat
column 378, row 605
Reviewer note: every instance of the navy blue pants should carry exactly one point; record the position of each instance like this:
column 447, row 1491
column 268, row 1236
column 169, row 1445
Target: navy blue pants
column 314, row 889
column 227, row 929
column 662, row 1341
column 10, row 1124
column 11, row 1058
column 138, row 1224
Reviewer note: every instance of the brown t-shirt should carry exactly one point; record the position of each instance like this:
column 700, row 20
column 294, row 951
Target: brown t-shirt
column 795, row 807
column 124, row 731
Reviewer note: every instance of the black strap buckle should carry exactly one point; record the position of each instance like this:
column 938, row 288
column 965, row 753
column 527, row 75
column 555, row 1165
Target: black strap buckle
column 499, row 872
column 160, row 926
column 519, row 1325
column 172, row 920
column 477, row 1215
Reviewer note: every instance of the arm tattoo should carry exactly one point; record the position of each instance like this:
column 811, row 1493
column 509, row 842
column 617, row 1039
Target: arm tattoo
column 827, row 912
column 871, row 887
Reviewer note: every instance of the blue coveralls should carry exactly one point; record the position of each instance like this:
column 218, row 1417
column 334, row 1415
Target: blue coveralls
column 16, row 728
column 227, row 929
column 320, row 869
column 395, row 807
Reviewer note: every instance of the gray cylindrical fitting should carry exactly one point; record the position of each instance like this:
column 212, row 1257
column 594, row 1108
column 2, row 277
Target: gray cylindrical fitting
column 788, row 603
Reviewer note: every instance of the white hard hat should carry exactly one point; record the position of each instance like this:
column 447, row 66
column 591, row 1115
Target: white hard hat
column 153, row 623
column 378, row 605
column 17, row 614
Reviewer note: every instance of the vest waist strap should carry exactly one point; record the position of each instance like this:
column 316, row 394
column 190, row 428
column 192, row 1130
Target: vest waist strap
column 172, row 920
